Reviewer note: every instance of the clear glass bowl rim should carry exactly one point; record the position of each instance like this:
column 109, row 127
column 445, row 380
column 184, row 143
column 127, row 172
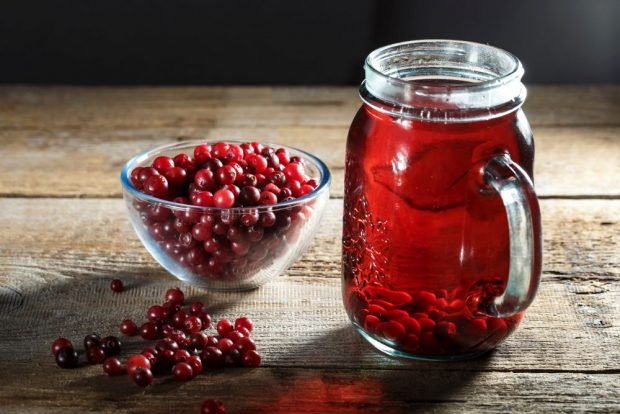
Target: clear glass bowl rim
column 135, row 161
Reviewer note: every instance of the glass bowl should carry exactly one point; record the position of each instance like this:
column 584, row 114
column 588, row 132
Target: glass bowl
column 281, row 234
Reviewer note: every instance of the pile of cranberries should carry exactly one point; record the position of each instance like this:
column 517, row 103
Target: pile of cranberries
column 183, row 347
column 427, row 322
column 223, row 243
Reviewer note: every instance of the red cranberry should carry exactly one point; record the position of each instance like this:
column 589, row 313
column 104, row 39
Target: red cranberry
column 166, row 343
column 244, row 331
column 234, row 336
column 61, row 343
column 177, row 177
column 224, row 198
column 268, row 198
column 128, row 327
column 295, row 171
column 305, row 189
column 220, row 149
column 149, row 331
column 66, row 357
column 91, row 340
column 116, row 285
column 212, row 407
column 175, row 295
column 213, row 164
column 251, row 359
column 255, row 234
column 250, row 218
column 156, row 313
column 146, row 173
column 245, row 344
column 112, row 366
column 95, row 355
column 212, row 357
column 178, row 319
column 205, row 179
column 212, row 245
column 157, row 186
column 192, row 324
column 226, row 175
column 223, row 327
column 394, row 331
column 196, row 363
column 182, row 371
column 151, row 356
column 111, row 345
column 182, row 160
column 267, row 219
column 225, row 344
column 135, row 178
column 163, row 164
column 181, row 355
column 202, row 198
column 244, row 322
column 135, row 362
column 202, row 153
column 257, row 162
column 198, row 340
column 143, row 377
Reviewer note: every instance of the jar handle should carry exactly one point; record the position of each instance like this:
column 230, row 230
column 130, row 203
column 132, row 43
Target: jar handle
column 516, row 190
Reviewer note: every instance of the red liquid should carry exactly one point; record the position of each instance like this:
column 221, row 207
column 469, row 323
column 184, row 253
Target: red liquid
column 422, row 245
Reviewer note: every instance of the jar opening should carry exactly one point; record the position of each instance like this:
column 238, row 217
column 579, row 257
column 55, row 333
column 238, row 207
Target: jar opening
column 444, row 80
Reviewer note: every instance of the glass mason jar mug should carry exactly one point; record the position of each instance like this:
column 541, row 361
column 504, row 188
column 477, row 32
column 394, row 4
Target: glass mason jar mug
column 442, row 234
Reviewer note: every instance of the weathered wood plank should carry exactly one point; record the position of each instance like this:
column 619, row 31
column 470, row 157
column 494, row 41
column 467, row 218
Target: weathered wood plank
column 76, row 107
column 66, row 252
column 281, row 390
column 573, row 162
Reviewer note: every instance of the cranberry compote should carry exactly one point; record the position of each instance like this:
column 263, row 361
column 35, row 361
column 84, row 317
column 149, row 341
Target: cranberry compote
column 426, row 241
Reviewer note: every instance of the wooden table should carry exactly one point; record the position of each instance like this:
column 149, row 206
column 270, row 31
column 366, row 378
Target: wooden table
column 65, row 235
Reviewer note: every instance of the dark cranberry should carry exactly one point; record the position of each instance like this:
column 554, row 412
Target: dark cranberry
column 220, row 228
column 182, row 371
column 285, row 193
column 146, row 173
column 273, row 161
column 151, row 356
column 226, row 175
column 91, row 340
column 143, row 377
column 249, row 218
column 235, row 234
column 181, row 226
column 192, row 324
column 224, row 344
column 249, row 196
column 166, row 343
column 196, row 363
column 61, row 343
column 212, row 407
column 171, row 308
column 296, row 158
column 112, row 366
column 212, row 357
column 213, row 164
column 182, row 160
column 175, row 295
column 255, row 233
column 284, row 220
column 245, row 344
column 249, row 180
column 229, row 217
column 178, row 319
column 204, row 179
column 149, row 331
column 212, row 245
column 159, row 212
column 224, row 198
column 267, row 219
column 128, row 327
column 111, row 345
column 233, row 357
column 251, row 359
column 195, row 256
column 135, row 362
column 156, row 313
column 240, row 248
column 205, row 318
column 187, row 240
column 244, row 322
column 234, row 336
column 181, row 355
column 261, row 180
column 198, row 340
column 66, row 357
column 177, row 177
column 95, row 355
column 196, row 307
column 277, row 178
column 157, row 186
column 135, row 178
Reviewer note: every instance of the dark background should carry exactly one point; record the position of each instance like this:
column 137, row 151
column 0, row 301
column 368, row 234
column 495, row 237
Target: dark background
column 254, row 42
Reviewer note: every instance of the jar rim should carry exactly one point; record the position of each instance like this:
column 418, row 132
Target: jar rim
column 475, row 77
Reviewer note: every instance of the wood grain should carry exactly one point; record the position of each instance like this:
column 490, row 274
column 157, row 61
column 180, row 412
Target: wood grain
column 78, row 107
column 570, row 162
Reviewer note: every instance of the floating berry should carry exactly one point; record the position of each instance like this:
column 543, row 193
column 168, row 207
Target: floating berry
column 116, row 285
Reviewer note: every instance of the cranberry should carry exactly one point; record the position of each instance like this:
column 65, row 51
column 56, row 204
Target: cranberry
column 212, row 357
column 175, row 295
column 250, row 218
column 203, row 199
column 156, row 313
column 146, row 173
column 204, row 179
column 244, row 322
column 212, row 245
column 66, row 357
column 181, row 355
column 182, row 371
column 143, row 377
column 305, row 189
column 249, row 196
column 91, row 340
column 198, row 340
column 268, row 219
column 95, row 355
column 224, row 198
column 244, row 331
column 257, row 162
column 212, row 407
column 163, row 164
column 177, row 177
column 149, row 331
column 234, row 336
column 157, row 186
column 205, row 318
column 394, row 331
column 152, row 357
column 251, row 359
column 112, row 366
column 178, row 319
column 233, row 357
column 224, row 344
column 202, row 153
column 116, row 285
column 223, row 327
column 192, row 324
column 295, row 171
column 213, row 164
column 166, row 343
column 61, row 343
column 268, row 198
column 128, row 327
column 196, row 363
column 220, row 149
column 226, row 175
column 136, row 362
column 135, row 178
column 245, row 344
column 111, row 345
column 182, row 160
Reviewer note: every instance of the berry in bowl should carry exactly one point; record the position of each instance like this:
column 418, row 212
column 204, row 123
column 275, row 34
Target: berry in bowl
column 227, row 215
